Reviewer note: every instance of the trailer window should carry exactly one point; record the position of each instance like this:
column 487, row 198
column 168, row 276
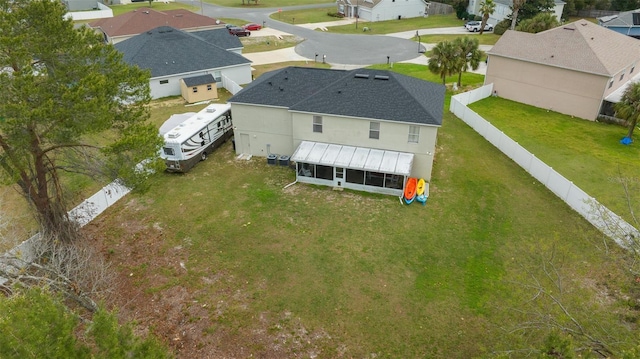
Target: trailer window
column 168, row 151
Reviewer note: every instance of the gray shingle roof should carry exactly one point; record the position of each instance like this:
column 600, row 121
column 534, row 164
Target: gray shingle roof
column 581, row 46
column 365, row 93
column 168, row 51
column 623, row 19
column 199, row 80
column 219, row 37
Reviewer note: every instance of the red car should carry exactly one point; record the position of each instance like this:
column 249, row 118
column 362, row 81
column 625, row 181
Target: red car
column 252, row 27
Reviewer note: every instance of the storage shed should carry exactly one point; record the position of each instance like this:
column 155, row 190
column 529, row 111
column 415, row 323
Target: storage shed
column 198, row 88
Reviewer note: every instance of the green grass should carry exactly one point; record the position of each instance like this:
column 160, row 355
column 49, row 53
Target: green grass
column 484, row 39
column 158, row 6
column 305, row 16
column 587, row 153
column 265, row 4
column 469, row 79
column 391, row 26
column 268, row 43
column 345, row 274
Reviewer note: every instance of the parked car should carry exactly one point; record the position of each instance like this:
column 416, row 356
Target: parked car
column 228, row 26
column 474, row 26
column 238, row 31
column 252, row 27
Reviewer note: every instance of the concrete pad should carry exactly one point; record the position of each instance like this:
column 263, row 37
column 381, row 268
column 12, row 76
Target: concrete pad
column 271, row 57
column 267, row 31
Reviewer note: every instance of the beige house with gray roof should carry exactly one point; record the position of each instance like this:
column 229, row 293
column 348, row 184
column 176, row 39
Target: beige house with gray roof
column 578, row 69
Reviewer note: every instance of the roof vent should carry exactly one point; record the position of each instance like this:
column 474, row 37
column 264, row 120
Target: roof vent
column 211, row 110
column 146, row 12
column 381, row 77
column 361, row 76
column 174, row 135
column 568, row 28
column 200, row 118
column 178, row 15
column 281, row 88
column 270, row 83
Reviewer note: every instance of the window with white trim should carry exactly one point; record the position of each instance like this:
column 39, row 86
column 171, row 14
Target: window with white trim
column 610, row 83
column 217, row 75
column 195, row 89
column 374, row 130
column 414, row 134
column 317, row 124
column 209, row 87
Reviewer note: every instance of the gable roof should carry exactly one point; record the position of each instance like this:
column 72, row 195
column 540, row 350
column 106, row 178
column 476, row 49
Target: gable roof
column 168, row 51
column 219, row 37
column 580, row 46
column 363, row 93
column 145, row 19
column 199, row 80
column 623, row 19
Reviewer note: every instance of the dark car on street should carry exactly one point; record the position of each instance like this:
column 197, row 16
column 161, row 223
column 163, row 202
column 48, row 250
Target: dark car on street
column 238, row 31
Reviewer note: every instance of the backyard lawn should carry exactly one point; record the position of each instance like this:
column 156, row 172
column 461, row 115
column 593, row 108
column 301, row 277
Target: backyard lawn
column 587, row 153
column 227, row 261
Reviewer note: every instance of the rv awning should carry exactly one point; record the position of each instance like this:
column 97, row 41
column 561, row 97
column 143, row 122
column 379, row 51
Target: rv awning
column 362, row 158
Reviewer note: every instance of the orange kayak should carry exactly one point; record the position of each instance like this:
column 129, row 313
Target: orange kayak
column 410, row 190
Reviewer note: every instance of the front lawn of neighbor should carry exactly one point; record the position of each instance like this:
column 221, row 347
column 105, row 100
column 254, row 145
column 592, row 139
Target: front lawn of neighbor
column 585, row 152
column 305, row 16
column 155, row 5
column 248, row 5
column 225, row 260
column 484, row 39
column 391, row 26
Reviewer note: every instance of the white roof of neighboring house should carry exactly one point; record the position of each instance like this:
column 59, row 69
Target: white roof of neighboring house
column 362, row 158
column 580, row 46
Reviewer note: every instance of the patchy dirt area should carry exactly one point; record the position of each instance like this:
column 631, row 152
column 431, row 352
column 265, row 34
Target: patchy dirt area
column 149, row 291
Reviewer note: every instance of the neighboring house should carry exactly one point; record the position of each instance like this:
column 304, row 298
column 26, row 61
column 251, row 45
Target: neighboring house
column 577, row 69
column 382, row 10
column 626, row 23
column 504, row 9
column 80, row 5
column 172, row 55
column 125, row 26
column 198, row 88
column 362, row 129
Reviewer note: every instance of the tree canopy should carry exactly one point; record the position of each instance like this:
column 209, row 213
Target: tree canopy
column 541, row 22
column 628, row 108
column 68, row 104
column 36, row 324
column 444, row 60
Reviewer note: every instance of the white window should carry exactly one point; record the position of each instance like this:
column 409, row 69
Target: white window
column 621, row 76
column 414, row 134
column 209, row 87
column 217, row 75
column 610, row 83
column 632, row 68
column 195, row 89
column 374, row 130
column 317, row 124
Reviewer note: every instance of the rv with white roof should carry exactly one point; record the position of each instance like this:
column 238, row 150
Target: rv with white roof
column 194, row 139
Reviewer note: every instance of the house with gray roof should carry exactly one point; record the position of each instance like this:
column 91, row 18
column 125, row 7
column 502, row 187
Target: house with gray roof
column 578, row 69
column 626, row 23
column 504, row 9
column 172, row 55
column 382, row 10
column 362, row 129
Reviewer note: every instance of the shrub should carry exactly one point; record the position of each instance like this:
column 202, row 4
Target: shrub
column 335, row 14
column 502, row 27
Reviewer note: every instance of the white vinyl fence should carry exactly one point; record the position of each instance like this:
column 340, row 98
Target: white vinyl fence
column 103, row 12
column 230, row 85
column 601, row 217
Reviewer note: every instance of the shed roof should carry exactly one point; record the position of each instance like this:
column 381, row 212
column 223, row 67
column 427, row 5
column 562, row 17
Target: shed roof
column 360, row 93
column 361, row 158
column 581, row 46
column 199, row 80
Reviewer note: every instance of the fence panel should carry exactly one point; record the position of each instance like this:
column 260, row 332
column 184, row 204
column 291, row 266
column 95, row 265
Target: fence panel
column 558, row 184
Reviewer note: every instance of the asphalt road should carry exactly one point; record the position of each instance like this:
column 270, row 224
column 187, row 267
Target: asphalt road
column 338, row 48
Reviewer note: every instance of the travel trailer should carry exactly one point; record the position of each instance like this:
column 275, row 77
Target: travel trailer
column 194, row 139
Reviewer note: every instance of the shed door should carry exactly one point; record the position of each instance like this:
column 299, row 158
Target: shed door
column 244, row 141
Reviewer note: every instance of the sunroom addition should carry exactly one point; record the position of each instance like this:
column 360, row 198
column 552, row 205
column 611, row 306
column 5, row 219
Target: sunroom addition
column 358, row 168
